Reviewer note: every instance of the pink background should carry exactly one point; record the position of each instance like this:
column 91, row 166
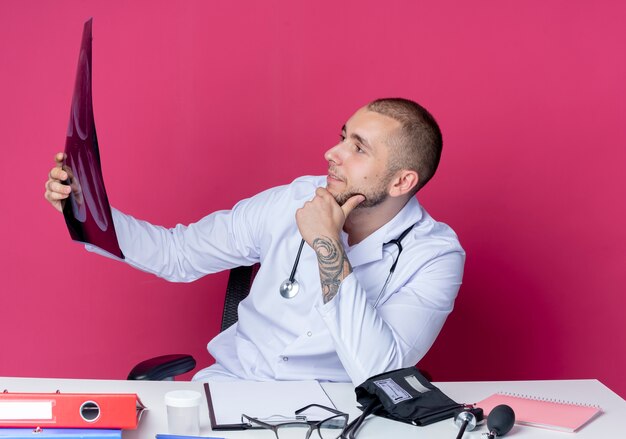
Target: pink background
column 201, row 103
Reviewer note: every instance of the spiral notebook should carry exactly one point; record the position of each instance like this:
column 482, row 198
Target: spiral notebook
column 544, row 413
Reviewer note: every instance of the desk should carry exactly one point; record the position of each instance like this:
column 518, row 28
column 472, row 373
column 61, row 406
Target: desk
column 608, row 424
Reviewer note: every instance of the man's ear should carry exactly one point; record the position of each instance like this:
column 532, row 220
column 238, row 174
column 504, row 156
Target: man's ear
column 404, row 182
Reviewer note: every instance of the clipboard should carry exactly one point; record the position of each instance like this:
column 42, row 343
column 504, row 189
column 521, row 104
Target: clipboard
column 228, row 400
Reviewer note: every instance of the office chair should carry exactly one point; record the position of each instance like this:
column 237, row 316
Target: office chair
column 166, row 367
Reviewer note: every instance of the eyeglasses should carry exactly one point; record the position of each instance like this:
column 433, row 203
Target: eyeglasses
column 329, row 428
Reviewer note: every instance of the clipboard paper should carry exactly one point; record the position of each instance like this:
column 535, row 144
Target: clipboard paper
column 265, row 400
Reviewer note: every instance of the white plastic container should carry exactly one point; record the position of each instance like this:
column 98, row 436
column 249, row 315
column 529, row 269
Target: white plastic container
column 183, row 412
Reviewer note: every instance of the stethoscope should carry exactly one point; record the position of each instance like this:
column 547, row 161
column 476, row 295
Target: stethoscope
column 290, row 287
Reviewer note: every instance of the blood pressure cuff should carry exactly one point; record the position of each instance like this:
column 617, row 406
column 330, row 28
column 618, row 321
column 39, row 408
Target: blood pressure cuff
column 405, row 395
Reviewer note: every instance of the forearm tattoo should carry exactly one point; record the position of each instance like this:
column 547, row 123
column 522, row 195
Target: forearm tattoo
column 333, row 264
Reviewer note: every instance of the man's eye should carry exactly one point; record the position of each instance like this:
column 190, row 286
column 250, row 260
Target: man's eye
column 358, row 148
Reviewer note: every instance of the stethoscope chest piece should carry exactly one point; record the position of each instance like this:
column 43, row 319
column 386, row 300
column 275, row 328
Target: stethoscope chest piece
column 289, row 288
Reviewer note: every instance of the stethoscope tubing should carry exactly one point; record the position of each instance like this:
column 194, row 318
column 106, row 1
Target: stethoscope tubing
column 398, row 243
column 292, row 277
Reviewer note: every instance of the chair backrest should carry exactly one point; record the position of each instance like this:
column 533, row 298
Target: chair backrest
column 239, row 283
column 166, row 367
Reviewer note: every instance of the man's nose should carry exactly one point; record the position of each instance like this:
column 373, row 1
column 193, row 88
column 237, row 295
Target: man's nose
column 334, row 154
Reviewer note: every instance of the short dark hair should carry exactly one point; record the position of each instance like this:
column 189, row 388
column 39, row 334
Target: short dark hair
column 419, row 143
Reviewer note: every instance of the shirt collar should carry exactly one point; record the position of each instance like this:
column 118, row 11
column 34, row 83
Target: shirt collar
column 371, row 248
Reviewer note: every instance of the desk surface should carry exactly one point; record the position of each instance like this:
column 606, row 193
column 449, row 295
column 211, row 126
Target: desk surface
column 608, row 424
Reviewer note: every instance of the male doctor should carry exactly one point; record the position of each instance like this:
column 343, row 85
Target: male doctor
column 377, row 278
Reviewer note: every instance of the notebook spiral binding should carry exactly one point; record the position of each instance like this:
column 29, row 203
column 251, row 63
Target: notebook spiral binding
column 554, row 400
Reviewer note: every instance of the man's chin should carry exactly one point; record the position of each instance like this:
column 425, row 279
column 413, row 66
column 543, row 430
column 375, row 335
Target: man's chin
column 342, row 197
column 371, row 200
column 338, row 196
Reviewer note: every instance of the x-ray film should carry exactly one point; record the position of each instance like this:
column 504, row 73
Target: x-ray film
column 87, row 211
